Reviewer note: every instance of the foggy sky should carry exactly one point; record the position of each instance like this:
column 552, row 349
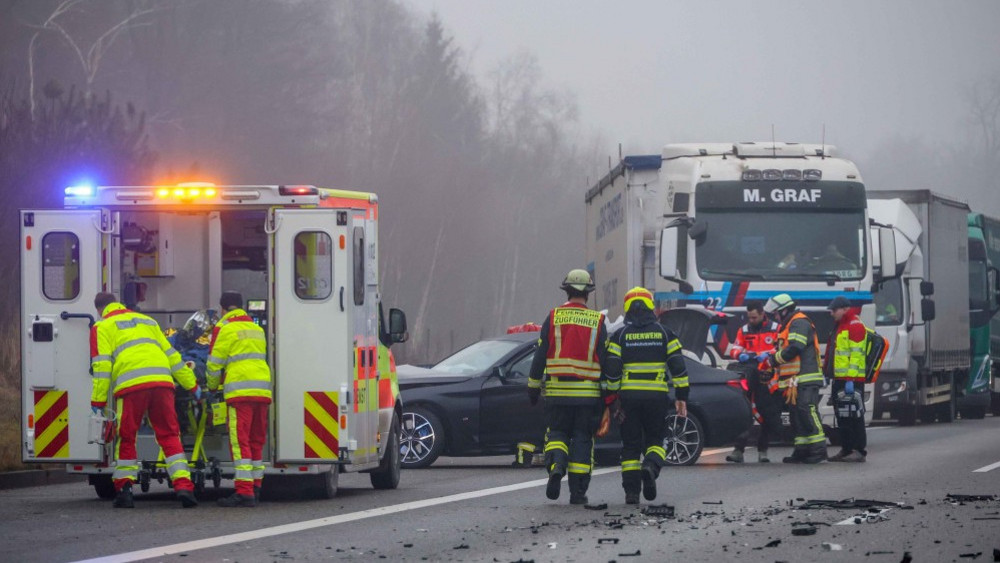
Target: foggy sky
column 649, row 73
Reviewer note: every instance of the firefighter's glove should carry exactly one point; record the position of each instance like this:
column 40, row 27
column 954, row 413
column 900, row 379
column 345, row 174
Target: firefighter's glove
column 763, row 356
column 849, row 388
column 96, row 410
column 744, row 358
column 617, row 412
column 533, row 394
column 197, row 393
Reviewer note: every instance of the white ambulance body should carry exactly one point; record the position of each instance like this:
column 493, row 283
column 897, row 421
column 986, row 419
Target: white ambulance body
column 305, row 260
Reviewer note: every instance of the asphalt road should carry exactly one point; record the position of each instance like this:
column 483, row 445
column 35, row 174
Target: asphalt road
column 481, row 509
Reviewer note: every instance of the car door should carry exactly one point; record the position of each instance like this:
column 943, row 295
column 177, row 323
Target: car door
column 506, row 416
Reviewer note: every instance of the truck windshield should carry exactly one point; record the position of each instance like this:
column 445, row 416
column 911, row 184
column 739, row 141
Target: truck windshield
column 778, row 244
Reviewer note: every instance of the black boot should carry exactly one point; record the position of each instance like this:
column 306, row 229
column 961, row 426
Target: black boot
column 798, row 455
column 648, row 482
column 124, row 498
column 816, row 453
column 187, row 499
column 237, row 500
column 631, row 498
column 578, row 488
column 256, row 494
column 555, row 480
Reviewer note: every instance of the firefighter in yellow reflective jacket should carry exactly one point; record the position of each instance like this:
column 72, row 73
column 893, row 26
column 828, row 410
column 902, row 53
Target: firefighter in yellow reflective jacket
column 130, row 357
column 845, row 364
column 572, row 347
column 797, row 370
column 237, row 361
column 646, row 357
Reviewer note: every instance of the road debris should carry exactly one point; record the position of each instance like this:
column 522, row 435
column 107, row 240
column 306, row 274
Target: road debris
column 553, row 545
column 827, row 546
column 602, row 506
column 607, row 540
column 659, row 510
column 637, row 553
column 971, row 555
column 804, row 531
column 711, row 502
column 969, row 498
column 852, row 503
column 773, row 543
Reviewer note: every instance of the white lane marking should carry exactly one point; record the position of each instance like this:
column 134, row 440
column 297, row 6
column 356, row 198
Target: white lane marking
column 989, row 467
column 318, row 523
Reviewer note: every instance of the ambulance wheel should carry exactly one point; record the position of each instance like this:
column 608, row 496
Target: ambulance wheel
column 327, row 481
column 104, row 486
column 685, row 439
column 422, row 438
column 387, row 474
column 216, row 477
column 144, row 481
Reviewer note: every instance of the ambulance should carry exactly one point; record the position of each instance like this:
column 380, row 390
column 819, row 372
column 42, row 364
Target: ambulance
column 306, row 262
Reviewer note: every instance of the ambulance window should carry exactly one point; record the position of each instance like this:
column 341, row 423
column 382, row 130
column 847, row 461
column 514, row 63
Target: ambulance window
column 313, row 265
column 60, row 266
column 359, row 265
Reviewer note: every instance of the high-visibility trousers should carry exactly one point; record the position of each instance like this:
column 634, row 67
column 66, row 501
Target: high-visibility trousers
column 158, row 402
column 247, row 433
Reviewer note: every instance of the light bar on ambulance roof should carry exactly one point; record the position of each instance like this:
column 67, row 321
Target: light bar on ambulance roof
column 298, row 190
column 79, row 191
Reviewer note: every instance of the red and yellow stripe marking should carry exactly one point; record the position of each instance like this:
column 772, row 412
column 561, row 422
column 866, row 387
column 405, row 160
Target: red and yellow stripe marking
column 321, row 425
column 51, row 424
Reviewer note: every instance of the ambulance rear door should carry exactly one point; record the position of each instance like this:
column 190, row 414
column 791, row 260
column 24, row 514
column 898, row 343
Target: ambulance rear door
column 62, row 269
column 312, row 317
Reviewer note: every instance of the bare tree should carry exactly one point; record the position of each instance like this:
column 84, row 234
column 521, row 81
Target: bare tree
column 89, row 58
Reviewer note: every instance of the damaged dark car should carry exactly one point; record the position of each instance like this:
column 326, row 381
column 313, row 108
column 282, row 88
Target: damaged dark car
column 474, row 402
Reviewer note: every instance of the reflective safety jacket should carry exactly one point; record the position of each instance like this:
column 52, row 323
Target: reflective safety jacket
column 754, row 340
column 238, row 359
column 572, row 348
column 128, row 352
column 798, row 352
column 647, row 357
column 846, row 348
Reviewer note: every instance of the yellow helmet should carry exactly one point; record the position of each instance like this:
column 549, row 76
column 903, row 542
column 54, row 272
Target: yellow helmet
column 640, row 294
column 579, row 280
column 779, row 302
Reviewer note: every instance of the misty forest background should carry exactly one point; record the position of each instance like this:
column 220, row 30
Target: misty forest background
column 481, row 178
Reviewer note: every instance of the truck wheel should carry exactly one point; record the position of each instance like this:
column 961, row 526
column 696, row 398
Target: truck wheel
column 387, row 474
column 995, row 404
column 327, row 482
column 104, row 486
column 973, row 413
column 422, row 439
column 946, row 411
column 907, row 415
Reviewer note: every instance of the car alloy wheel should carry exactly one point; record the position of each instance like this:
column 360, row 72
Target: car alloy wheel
column 421, row 439
column 684, row 440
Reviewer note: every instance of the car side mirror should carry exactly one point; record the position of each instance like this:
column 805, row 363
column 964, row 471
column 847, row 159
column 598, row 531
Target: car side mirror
column 698, row 230
column 397, row 326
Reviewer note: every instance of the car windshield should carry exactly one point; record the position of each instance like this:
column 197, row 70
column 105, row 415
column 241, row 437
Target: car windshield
column 477, row 357
column 779, row 245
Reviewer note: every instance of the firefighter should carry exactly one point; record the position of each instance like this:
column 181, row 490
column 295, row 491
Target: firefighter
column 130, row 355
column 796, row 363
column 645, row 357
column 572, row 350
column 237, row 360
column 753, row 340
column 845, row 364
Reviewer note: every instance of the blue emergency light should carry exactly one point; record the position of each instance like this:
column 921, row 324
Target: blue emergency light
column 80, row 191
